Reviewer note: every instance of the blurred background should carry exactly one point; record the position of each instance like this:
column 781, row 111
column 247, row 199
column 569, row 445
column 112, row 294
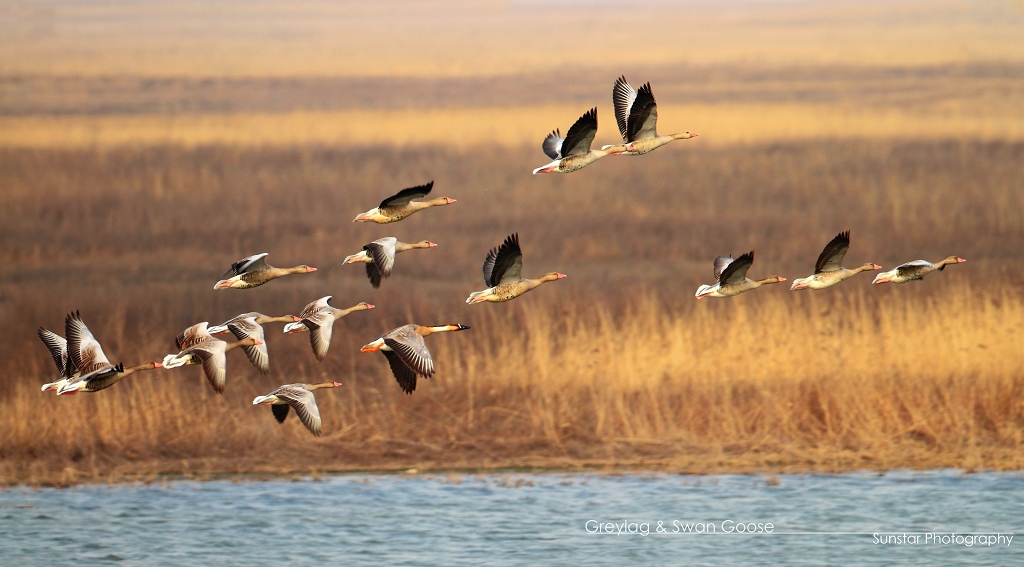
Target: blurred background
column 145, row 146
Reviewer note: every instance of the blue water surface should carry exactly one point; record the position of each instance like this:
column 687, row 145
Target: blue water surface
column 523, row 519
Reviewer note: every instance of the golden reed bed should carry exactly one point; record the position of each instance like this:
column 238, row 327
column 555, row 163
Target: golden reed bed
column 776, row 384
column 616, row 366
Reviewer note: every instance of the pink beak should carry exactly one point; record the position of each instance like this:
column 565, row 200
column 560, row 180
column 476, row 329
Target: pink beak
column 157, row 365
column 336, row 384
column 449, row 200
column 370, row 306
column 295, row 319
column 560, row 276
column 432, row 245
column 310, row 269
column 960, row 260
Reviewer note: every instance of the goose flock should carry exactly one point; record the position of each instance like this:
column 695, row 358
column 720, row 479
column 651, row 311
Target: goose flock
column 83, row 367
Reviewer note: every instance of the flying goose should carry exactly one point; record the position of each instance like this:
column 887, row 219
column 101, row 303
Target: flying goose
column 914, row 270
column 636, row 113
column 401, row 205
column 502, row 274
column 260, row 318
column 318, row 318
column 300, row 397
column 732, row 277
column 95, row 371
column 254, row 272
column 828, row 270
column 379, row 256
column 573, row 152
column 406, row 352
column 199, row 347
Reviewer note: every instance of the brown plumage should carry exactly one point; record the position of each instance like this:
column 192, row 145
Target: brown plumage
column 502, row 273
column 254, row 272
column 407, row 353
column 379, row 256
column 401, row 205
column 298, row 397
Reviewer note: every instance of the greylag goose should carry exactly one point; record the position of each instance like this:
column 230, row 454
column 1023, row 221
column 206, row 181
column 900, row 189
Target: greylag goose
column 636, row 113
column 199, row 347
column 502, row 274
column 318, row 318
column 58, row 348
column 260, row 318
column 406, row 352
column 401, row 205
column 379, row 256
column 573, row 152
column 103, row 379
column 732, row 277
column 914, row 270
column 95, row 371
column 828, row 270
column 254, row 272
column 297, row 396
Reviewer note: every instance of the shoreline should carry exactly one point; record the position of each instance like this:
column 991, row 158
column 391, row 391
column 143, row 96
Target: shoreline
column 208, row 470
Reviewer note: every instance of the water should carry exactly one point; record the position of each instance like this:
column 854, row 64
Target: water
column 515, row 519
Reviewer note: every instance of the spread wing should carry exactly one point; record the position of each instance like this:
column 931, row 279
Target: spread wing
column 211, row 353
column 373, row 274
column 623, row 96
column 831, row 258
column 193, row 335
column 581, row 135
column 254, row 263
column 552, row 144
column 320, row 326
column 58, row 348
column 720, row 263
column 302, row 401
column 405, row 376
column 383, row 253
column 257, row 354
column 405, row 195
column 315, row 307
column 736, row 271
column 413, row 352
column 504, row 263
column 642, row 123
column 85, row 352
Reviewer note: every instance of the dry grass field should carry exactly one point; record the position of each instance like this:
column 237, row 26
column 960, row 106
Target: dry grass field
column 615, row 366
column 145, row 146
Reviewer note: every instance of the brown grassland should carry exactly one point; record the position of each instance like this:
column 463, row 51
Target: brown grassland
column 616, row 366
column 145, row 146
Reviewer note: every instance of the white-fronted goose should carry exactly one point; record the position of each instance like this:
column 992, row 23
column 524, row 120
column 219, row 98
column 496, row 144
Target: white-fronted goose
column 199, row 347
column 573, row 152
column 401, row 205
column 636, row 113
column 502, row 269
column 914, row 270
column 732, row 277
column 58, row 348
column 379, row 256
column 406, row 352
column 318, row 318
column 260, row 318
column 300, row 398
column 254, row 272
column 828, row 270
column 84, row 352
